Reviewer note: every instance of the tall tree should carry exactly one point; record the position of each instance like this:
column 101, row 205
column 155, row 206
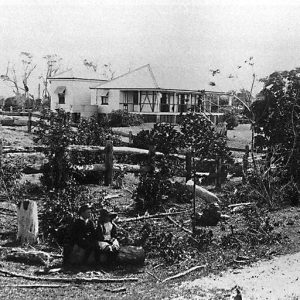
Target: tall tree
column 277, row 120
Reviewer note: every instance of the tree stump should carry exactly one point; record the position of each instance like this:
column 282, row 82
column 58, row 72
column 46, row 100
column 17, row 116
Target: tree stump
column 27, row 222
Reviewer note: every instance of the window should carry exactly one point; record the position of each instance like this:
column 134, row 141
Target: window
column 164, row 103
column 61, row 93
column 135, row 98
column 61, row 98
column 104, row 100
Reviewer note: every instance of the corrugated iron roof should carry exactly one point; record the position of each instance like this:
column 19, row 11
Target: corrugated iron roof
column 79, row 73
column 140, row 78
column 145, row 77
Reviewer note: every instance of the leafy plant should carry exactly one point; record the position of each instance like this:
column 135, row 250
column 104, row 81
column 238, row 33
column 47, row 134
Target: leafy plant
column 231, row 118
column 55, row 132
column 277, row 119
column 163, row 136
column 10, row 173
column 121, row 118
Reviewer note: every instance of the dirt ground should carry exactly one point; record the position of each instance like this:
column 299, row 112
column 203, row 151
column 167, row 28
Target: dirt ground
column 273, row 279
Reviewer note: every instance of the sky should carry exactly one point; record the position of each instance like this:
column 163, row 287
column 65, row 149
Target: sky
column 176, row 36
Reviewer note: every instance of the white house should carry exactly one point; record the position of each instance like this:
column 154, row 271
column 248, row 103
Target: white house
column 140, row 92
column 70, row 90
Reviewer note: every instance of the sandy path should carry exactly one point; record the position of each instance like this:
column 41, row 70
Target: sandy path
column 274, row 279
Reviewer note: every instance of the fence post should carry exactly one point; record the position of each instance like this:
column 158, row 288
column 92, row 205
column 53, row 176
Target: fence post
column 29, row 121
column 245, row 163
column 151, row 159
column 188, row 166
column 1, row 151
column 218, row 173
column 108, row 162
column 130, row 137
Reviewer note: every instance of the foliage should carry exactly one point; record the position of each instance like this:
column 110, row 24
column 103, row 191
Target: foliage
column 151, row 192
column 59, row 209
column 94, row 131
column 164, row 136
column 121, row 118
column 199, row 134
column 10, row 173
column 231, row 118
column 277, row 119
column 160, row 242
column 258, row 229
column 54, row 131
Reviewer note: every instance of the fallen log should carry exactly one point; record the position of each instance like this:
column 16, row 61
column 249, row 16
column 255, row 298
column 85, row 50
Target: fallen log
column 203, row 193
column 117, row 150
column 35, row 286
column 240, row 204
column 183, row 273
column 117, row 290
column 127, row 255
column 19, row 149
column 147, row 216
column 69, row 280
column 29, row 256
column 116, row 167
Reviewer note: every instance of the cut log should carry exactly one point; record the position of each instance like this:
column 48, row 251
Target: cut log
column 127, row 255
column 30, row 257
column 201, row 192
column 27, row 222
column 131, row 255
column 210, row 216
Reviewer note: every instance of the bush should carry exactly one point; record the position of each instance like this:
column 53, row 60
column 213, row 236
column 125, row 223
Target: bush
column 163, row 136
column 121, row 118
column 151, row 193
column 55, row 132
column 9, row 176
column 231, row 119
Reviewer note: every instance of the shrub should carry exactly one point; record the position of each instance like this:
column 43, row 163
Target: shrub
column 9, row 176
column 54, row 131
column 121, row 118
column 151, row 193
column 163, row 136
column 231, row 119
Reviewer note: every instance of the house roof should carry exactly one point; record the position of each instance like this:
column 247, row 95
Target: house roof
column 79, row 73
column 141, row 78
column 166, row 79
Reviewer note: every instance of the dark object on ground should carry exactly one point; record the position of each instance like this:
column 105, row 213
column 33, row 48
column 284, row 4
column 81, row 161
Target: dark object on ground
column 210, row 216
column 127, row 255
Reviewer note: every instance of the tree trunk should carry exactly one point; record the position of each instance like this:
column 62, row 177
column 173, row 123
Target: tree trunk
column 27, row 222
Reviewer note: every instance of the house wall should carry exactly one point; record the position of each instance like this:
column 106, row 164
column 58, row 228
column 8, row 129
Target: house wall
column 113, row 100
column 77, row 96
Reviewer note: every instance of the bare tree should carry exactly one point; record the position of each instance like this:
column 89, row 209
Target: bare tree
column 105, row 70
column 53, row 66
column 12, row 78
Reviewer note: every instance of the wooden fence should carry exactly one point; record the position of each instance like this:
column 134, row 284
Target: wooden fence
column 109, row 166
